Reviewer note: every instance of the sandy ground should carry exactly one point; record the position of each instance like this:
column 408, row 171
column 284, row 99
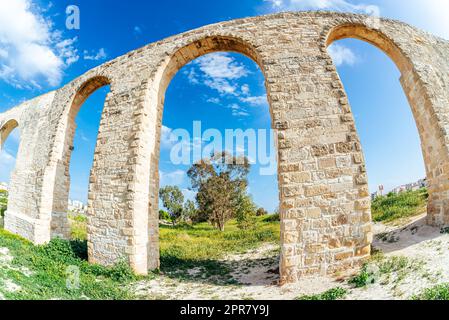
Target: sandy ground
column 256, row 271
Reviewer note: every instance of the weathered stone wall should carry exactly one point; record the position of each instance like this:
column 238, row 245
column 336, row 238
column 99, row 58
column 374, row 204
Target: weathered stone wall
column 324, row 198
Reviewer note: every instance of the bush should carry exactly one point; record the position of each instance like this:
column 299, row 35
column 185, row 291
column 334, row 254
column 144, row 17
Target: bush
column 261, row 212
column 164, row 215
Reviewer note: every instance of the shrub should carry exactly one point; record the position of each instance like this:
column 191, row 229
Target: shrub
column 164, row 215
column 261, row 212
column 246, row 213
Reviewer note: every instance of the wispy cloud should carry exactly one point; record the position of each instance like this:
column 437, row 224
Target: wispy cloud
column 342, row 55
column 217, row 71
column 95, row 56
column 166, row 135
column 255, row 100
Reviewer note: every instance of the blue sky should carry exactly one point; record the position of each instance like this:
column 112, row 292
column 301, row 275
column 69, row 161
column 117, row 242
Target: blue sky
column 223, row 91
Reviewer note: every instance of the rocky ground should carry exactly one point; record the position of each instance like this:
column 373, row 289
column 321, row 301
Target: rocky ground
column 414, row 257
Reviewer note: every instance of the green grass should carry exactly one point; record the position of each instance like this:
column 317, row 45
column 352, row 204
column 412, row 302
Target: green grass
column 78, row 224
column 42, row 272
column 47, row 272
column 440, row 292
column 333, row 294
column 201, row 246
column 397, row 206
column 385, row 269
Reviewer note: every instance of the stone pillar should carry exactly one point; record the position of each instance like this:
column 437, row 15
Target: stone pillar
column 119, row 184
column 324, row 197
column 423, row 102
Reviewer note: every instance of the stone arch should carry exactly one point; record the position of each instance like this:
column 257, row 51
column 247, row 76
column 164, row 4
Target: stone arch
column 6, row 129
column 434, row 149
column 62, row 155
column 180, row 57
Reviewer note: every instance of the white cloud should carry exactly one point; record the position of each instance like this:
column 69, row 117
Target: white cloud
column 192, row 76
column 217, row 71
column 255, row 101
column 175, row 178
column 95, row 56
column 245, row 89
column 342, row 55
column 213, row 100
column 31, row 50
column 221, row 66
column 166, row 134
column 238, row 111
column 221, row 85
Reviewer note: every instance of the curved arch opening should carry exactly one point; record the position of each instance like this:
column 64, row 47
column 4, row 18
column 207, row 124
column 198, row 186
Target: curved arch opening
column 69, row 212
column 389, row 120
column 213, row 85
column 9, row 149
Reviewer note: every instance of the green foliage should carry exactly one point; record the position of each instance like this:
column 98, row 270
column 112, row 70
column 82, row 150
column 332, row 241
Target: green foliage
column 440, row 292
column 363, row 279
column 78, row 224
column 382, row 266
column 49, row 267
column 246, row 213
column 272, row 218
column 219, row 182
column 173, row 200
column 333, row 294
column 164, row 215
column 261, row 212
column 396, row 206
column 190, row 211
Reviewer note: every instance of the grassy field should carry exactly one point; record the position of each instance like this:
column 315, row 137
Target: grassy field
column 201, row 246
column 42, row 272
column 398, row 206
column 46, row 272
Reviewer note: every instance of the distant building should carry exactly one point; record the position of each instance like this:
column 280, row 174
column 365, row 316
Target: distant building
column 422, row 183
column 77, row 207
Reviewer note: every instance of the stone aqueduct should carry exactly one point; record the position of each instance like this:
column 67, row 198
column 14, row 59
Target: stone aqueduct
column 324, row 198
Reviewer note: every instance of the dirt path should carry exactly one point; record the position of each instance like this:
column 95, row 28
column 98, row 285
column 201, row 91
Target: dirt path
column 256, row 272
